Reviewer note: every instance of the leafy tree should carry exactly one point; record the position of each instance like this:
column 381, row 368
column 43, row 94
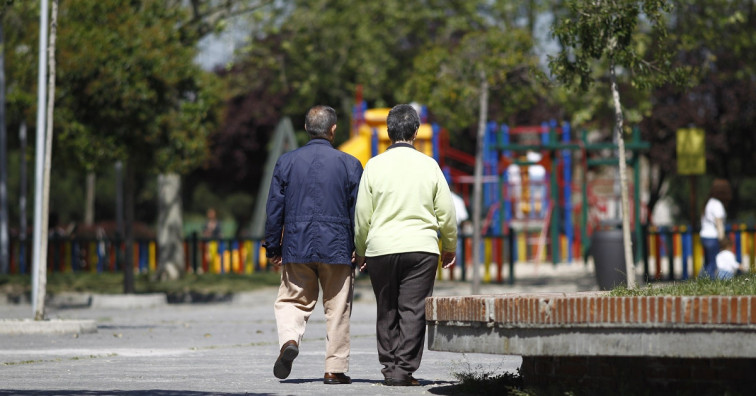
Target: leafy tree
column 605, row 30
column 128, row 90
column 447, row 79
column 715, row 43
column 322, row 50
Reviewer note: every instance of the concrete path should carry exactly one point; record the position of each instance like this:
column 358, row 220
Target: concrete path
column 229, row 348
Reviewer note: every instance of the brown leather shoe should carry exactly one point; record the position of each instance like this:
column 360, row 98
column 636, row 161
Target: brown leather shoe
column 336, row 378
column 408, row 381
column 289, row 352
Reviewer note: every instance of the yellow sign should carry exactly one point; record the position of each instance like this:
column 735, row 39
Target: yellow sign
column 691, row 151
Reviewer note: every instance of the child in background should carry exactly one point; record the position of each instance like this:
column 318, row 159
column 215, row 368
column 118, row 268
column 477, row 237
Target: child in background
column 727, row 264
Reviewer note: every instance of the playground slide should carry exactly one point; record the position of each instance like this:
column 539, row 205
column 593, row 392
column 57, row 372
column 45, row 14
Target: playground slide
column 359, row 147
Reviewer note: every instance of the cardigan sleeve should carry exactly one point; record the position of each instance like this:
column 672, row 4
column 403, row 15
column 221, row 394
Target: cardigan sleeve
column 445, row 214
column 362, row 214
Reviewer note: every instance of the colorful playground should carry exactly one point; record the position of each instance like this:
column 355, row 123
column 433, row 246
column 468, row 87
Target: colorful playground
column 545, row 192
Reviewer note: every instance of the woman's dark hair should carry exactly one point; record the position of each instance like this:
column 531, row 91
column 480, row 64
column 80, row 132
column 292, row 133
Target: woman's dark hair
column 402, row 122
column 721, row 190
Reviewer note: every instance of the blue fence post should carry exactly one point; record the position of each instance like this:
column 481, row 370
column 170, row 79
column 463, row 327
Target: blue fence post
column 256, row 255
column 22, row 256
column 687, row 252
column 738, row 247
column 101, row 252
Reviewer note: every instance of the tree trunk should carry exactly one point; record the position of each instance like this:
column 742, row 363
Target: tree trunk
column 89, row 205
column 128, row 265
column 22, row 186
column 4, row 239
column 170, row 227
column 627, row 241
column 478, row 182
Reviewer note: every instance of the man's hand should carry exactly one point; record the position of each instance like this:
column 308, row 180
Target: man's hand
column 359, row 261
column 276, row 261
column 448, row 259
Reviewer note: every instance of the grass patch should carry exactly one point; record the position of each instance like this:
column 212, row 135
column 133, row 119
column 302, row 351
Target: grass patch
column 742, row 285
column 484, row 380
column 489, row 383
column 112, row 283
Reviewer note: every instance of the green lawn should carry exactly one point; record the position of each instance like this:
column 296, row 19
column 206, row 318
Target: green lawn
column 112, row 283
column 739, row 286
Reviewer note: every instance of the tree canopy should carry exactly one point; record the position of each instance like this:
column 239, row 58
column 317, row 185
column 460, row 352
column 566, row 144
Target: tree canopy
column 127, row 86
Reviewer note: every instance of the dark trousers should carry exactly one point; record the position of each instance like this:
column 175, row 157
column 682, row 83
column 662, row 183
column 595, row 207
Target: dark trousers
column 401, row 282
column 710, row 248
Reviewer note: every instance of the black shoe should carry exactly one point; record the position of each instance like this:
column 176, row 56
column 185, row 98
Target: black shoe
column 289, row 352
column 407, row 381
column 336, row 378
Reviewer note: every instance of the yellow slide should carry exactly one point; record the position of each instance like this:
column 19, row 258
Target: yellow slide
column 360, row 144
column 359, row 147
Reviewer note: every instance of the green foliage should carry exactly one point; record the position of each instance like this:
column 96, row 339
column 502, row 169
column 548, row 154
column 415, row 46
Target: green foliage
column 447, row 79
column 21, row 40
column 112, row 283
column 322, row 50
column 127, row 87
column 613, row 30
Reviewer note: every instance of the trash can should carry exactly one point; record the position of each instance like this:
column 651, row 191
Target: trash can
column 608, row 258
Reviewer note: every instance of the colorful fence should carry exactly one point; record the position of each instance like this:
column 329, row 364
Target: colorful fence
column 244, row 256
column 675, row 253
column 672, row 253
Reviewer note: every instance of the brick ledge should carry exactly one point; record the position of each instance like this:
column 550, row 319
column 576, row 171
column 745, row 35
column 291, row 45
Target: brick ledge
column 593, row 309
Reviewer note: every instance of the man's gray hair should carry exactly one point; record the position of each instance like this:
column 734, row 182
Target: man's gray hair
column 319, row 121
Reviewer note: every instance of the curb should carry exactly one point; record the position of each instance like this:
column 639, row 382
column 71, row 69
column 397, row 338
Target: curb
column 54, row 326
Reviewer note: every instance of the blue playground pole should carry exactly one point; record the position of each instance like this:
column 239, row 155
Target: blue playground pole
column 506, row 202
column 491, row 162
column 374, row 143
column 567, row 168
column 437, row 144
column 544, row 133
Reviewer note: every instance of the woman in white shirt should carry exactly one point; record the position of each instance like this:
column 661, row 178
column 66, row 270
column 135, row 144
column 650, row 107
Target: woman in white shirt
column 713, row 224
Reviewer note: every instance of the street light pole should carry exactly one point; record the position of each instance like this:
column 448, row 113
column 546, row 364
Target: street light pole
column 39, row 273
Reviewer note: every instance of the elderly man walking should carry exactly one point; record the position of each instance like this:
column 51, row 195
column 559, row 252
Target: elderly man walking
column 309, row 230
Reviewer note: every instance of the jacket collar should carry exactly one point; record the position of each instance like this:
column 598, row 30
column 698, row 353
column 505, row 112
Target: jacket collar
column 319, row 141
column 401, row 144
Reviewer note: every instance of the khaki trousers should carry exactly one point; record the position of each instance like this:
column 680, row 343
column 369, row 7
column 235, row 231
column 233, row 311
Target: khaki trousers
column 297, row 297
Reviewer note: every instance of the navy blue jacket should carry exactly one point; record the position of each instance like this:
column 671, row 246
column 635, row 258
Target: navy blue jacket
column 311, row 205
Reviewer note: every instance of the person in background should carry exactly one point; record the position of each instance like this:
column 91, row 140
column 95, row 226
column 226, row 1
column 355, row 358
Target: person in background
column 402, row 205
column 727, row 263
column 713, row 224
column 461, row 214
column 309, row 232
column 212, row 227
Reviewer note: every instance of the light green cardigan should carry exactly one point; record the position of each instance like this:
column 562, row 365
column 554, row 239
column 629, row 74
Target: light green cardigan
column 402, row 204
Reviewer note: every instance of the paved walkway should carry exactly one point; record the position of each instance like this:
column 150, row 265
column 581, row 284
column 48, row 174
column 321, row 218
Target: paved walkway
column 229, row 348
